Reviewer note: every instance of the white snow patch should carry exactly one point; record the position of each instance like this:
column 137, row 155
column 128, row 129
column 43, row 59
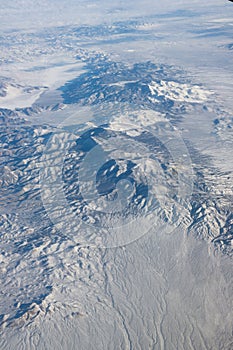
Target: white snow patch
column 179, row 92
column 142, row 118
column 19, row 97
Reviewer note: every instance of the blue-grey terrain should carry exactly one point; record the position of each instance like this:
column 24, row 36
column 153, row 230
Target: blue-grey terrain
column 116, row 187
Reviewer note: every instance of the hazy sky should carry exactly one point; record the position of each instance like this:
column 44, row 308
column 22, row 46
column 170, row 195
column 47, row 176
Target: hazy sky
column 34, row 13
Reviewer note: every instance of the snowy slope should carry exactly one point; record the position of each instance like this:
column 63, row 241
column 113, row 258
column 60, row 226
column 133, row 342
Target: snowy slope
column 116, row 184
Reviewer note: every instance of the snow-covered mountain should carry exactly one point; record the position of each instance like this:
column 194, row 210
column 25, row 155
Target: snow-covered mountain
column 116, row 183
